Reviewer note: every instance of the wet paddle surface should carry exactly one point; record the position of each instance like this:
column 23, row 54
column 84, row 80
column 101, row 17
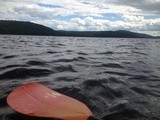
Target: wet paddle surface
column 118, row 79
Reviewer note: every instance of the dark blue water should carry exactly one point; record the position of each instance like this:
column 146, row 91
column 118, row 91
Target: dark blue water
column 118, row 79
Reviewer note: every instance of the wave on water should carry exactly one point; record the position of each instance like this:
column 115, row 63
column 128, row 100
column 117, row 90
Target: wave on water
column 118, row 79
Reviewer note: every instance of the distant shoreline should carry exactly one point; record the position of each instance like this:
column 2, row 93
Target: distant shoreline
column 8, row 27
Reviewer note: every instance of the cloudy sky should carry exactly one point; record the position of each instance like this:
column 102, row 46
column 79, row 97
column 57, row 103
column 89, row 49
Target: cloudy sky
column 134, row 15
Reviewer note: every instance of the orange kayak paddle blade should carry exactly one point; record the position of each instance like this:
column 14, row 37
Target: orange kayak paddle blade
column 35, row 99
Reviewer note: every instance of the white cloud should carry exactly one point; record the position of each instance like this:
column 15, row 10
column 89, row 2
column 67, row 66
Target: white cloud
column 88, row 23
column 133, row 23
column 79, row 7
column 138, row 22
column 89, row 15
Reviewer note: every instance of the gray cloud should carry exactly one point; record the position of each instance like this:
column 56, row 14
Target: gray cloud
column 146, row 6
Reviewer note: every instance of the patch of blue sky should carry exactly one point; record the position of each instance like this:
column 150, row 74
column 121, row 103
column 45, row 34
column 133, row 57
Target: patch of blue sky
column 112, row 17
column 107, row 16
column 152, row 17
column 48, row 5
column 67, row 18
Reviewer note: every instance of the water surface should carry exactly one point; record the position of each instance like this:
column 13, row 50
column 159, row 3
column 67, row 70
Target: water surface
column 118, row 79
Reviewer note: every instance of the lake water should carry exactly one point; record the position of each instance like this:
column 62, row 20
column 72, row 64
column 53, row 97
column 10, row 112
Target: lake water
column 117, row 78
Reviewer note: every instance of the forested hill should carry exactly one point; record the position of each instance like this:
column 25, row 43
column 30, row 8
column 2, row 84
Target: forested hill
column 28, row 28
column 113, row 34
column 24, row 28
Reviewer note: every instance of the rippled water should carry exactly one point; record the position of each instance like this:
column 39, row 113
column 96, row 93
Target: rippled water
column 118, row 79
